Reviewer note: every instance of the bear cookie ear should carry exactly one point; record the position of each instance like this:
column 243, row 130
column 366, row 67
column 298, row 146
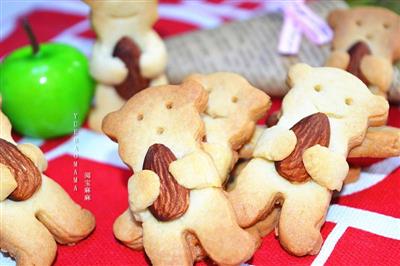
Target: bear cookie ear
column 335, row 16
column 196, row 94
column 379, row 111
column 110, row 124
column 298, row 72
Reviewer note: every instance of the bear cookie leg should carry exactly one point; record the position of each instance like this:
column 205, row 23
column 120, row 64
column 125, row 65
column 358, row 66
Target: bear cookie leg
column 128, row 230
column 66, row 220
column 299, row 224
column 25, row 238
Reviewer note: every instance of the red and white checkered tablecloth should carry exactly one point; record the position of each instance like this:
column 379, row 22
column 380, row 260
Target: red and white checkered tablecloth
column 363, row 223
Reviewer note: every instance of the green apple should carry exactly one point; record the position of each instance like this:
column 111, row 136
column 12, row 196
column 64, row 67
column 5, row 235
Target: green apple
column 46, row 93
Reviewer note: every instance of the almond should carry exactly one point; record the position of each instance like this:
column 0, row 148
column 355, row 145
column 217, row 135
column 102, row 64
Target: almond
column 127, row 50
column 357, row 52
column 311, row 130
column 173, row 200
column 26, row 174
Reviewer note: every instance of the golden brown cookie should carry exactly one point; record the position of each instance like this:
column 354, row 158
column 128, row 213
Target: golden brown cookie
column 35, row 212
column 128, row 54
column 180, row 211
column 325, row 114
column 366, row 43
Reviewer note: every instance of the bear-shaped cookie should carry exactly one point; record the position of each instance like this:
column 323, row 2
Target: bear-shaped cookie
column 35, row 212
column 175, row 195
column 366, row 43
column 128, row 54
column 302, row 159
column 227, row 129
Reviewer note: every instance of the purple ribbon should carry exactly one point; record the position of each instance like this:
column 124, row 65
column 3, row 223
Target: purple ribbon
column 298, row 19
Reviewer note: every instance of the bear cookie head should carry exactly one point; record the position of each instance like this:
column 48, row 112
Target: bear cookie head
column 379, row 28
column 145, row 11
column 168, row 115
column 336, row 93
column 366, row 43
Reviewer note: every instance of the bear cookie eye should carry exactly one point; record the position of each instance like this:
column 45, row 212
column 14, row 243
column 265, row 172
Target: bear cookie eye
column 139, row 117
column 160, row 131
column 386, row 25
column 348, row 101
column 234, row 99
column 169, row 105
column 358, row 22
column 318, row 88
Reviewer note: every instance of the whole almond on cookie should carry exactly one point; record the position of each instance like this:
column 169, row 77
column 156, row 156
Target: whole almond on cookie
column 311, row 130
column 129, row 53
column 25, row 172
column 173, row 200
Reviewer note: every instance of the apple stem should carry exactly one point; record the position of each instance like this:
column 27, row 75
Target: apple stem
column 31, row 35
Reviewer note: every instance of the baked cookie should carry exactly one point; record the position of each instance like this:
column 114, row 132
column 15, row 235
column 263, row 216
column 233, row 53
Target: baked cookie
column 227, row 129
column 302, row 159
column 35, row 212
column 176, row 199
column 366, row 43
column 233, row 109
column 128, row 54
